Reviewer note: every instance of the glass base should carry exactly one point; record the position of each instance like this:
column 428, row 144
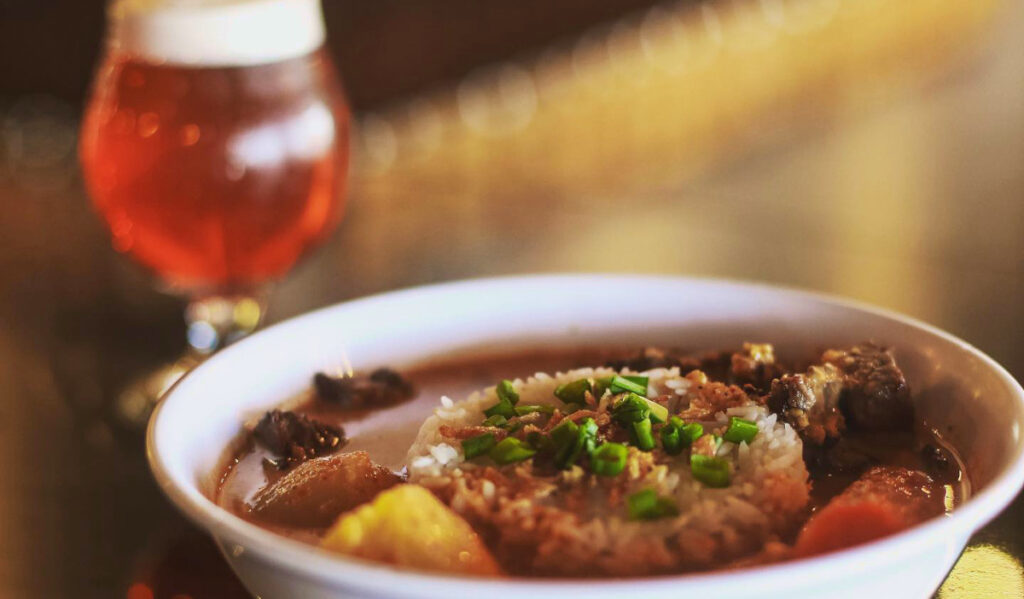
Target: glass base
column 213, row 322
column 136, row 402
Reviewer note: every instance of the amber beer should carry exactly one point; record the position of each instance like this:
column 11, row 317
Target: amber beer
column 215, row 144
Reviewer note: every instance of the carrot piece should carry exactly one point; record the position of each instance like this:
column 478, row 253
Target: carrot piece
column 884, row 501
column 845, row 525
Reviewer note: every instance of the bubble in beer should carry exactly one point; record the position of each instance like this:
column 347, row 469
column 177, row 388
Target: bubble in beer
column 149, row 123
column 190, row 134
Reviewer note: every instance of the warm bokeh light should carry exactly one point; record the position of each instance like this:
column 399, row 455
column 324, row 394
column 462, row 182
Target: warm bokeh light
column 140, row 591
column 668, row 92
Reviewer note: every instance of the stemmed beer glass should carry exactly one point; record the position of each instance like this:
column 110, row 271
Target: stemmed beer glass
column 215, row 146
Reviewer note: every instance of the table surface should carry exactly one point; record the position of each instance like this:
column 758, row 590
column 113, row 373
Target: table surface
column 913, row 203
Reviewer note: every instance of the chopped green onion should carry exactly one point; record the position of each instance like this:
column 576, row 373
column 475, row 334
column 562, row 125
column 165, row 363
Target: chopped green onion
column 567, row 459
column 642, row 436
column 476, row 446
column 507, row 399
column 496, row 420
column 512, row 427
column 502, row 408
column 740, row 430
column 588, row 435
column 641, row 504
column 667, row 507
column 631, row 408
column 659, row 413
column 713, row 472
column 636, row 378
column 601, row 385
column 621, row 384
column 646, row 505
column 574, row 392
column 523, row 410
column 510, row 451
column 676, row 435
column 506, row 392
column 671, row 439
column 691, row 432
column 538, row 440
column 609, row 459
column 571, row 440
column 564, row 438
column 565, row 431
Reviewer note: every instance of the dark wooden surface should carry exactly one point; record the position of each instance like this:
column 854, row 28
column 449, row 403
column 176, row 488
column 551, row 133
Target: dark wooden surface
column 913, row 203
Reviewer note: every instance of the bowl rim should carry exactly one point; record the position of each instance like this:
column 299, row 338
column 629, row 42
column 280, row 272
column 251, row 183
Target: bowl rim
column 332, row 568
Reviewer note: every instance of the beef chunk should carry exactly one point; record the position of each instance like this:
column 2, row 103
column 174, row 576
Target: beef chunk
column 382, row 387
column 295, row 438
column 875, row 393
column 860, row 387
column 755, row 365
column 840, row 457
column 810, row 402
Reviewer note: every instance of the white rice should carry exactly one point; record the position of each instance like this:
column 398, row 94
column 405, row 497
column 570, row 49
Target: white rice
column 768, row 490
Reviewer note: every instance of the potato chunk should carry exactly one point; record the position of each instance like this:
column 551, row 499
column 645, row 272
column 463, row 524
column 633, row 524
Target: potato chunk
column 315, row 492
column 407, row 526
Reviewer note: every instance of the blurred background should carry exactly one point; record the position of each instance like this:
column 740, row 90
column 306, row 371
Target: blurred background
column 864, row 148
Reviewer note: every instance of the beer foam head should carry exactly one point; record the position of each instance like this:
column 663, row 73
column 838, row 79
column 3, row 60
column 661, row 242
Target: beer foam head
column 216, row 32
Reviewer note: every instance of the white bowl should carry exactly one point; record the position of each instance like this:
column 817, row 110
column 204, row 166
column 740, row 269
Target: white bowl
column 959, row 390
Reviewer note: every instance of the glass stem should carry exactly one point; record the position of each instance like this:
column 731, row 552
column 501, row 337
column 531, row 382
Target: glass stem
column 215, row 321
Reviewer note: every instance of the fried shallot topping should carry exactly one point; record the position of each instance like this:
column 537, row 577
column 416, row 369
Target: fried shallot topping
column 711, row 397
column 707, row 445
column 468, row 432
